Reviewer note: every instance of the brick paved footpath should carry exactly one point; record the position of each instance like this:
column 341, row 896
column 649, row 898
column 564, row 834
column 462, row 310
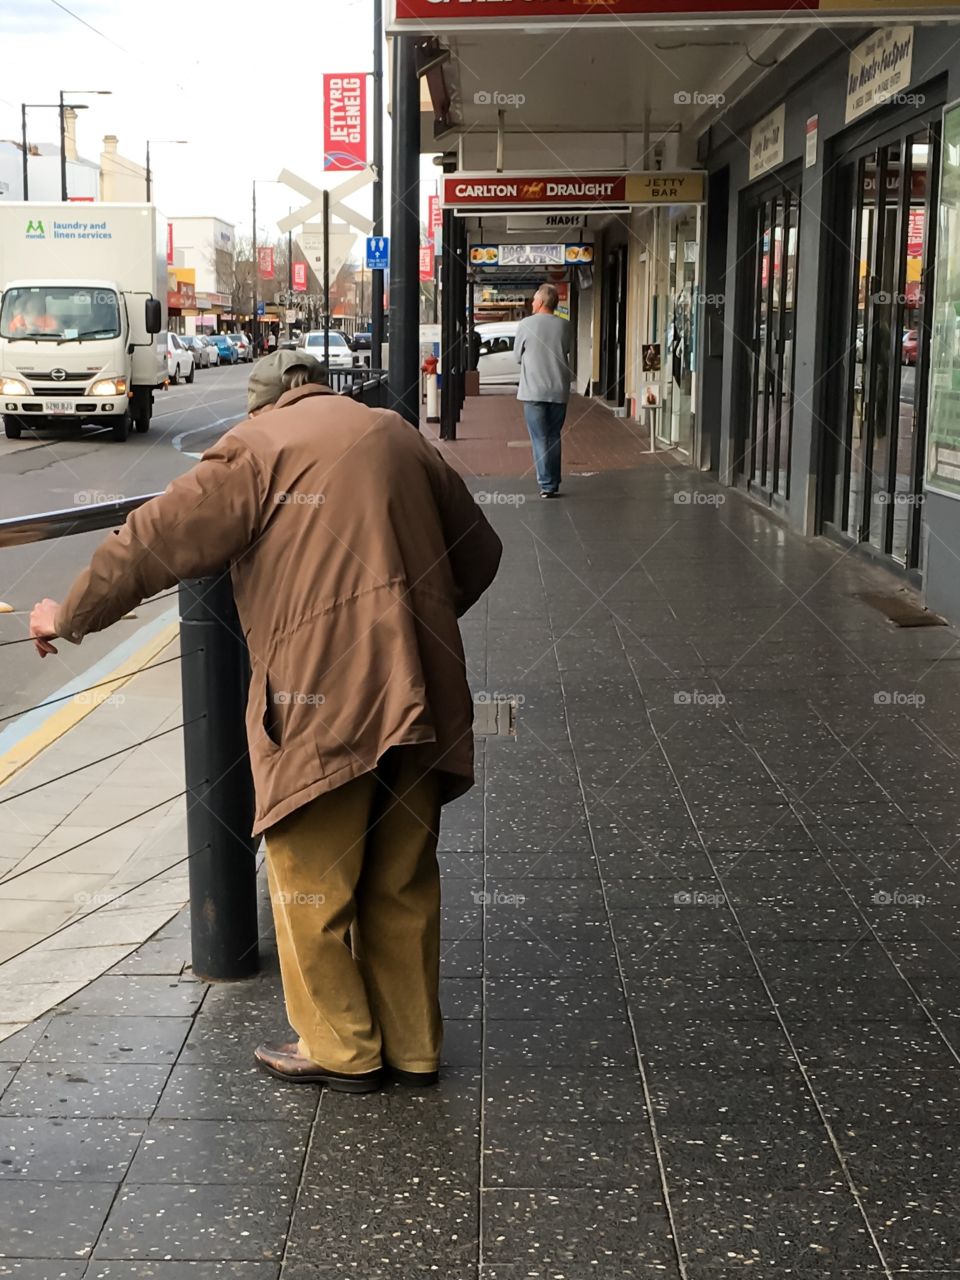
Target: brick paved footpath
column 700, row 960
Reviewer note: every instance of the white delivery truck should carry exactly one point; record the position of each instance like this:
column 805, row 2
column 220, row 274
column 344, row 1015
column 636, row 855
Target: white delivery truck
column 83, row 315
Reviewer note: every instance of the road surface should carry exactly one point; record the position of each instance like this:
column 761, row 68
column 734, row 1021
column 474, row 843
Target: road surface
column 69, row 469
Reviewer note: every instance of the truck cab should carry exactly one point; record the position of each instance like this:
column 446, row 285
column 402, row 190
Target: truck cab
column 82, row 315
column 69, row 351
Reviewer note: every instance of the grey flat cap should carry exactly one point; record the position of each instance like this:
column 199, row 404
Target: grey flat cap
column 266, row 381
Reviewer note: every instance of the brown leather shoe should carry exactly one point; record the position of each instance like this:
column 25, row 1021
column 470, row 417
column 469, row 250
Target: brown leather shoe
column 286, row 1062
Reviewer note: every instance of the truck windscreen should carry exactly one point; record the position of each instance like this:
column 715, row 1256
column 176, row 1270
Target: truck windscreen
column 59, row 313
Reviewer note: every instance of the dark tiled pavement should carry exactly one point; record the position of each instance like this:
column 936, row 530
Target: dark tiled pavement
column 700, row 964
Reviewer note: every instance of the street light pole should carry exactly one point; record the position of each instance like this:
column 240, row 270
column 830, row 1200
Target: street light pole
column 170, row 142
column 63, row 130
column 253, row 278
column 376, row 277
column 23, row 133
column 63, row 152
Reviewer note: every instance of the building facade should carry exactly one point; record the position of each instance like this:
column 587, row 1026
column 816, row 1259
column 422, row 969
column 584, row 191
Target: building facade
column 205, row 247
column 819, row 356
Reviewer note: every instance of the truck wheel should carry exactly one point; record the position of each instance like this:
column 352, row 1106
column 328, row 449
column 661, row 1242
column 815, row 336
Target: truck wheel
column 120, row 427
column 141, row 409
column 192, row 374
column 12, row 428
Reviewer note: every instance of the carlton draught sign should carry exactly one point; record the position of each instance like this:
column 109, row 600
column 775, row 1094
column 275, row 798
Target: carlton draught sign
column 538, row 190
column 474, row 192
column 423, row 15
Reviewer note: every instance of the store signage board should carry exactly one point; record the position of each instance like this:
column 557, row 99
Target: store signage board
column 879, row 70
column 943, row 415
column 475, row 192
column 812, row 137
column 766, row 142
column 547, row 221
column 529, row 255
column 423, row 16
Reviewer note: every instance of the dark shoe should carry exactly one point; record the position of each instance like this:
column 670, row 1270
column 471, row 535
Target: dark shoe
column 287, row 1063
column 549, row 493
column 412, row 1079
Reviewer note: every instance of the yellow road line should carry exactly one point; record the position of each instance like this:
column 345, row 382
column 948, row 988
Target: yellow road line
column 70, row 713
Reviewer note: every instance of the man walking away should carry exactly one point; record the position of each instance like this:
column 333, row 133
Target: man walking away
column 542, row 349
column 353, row 548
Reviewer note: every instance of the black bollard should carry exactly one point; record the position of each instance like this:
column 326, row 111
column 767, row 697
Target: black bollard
column 220, row 801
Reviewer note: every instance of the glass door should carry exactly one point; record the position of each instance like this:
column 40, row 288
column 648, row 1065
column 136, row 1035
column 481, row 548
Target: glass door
column 882, row 338
column 772, row 223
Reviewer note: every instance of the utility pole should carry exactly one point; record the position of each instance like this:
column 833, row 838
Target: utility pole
column 326, row 277
column 376, row 282
column 253, row 276
column 289, row 280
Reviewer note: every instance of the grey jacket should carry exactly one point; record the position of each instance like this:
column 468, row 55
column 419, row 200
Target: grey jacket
column 542, row 349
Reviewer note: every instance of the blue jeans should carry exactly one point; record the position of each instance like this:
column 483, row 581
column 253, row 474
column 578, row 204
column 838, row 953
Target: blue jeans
column 544, row 421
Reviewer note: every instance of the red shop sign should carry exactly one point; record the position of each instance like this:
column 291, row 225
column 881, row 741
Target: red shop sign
column 545, row 191
column 422, row 14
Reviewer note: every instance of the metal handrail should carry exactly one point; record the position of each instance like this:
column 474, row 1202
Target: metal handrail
column 19, row 531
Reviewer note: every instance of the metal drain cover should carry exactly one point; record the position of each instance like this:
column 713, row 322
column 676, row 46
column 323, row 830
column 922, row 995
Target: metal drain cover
column 494, row 717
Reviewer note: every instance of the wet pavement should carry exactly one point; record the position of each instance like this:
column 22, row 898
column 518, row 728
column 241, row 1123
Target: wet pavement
column 700, row 960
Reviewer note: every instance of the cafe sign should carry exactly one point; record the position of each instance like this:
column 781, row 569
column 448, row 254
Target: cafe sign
column 479, row 192
column 530, row 255
column 879, row 70
column 766, row 142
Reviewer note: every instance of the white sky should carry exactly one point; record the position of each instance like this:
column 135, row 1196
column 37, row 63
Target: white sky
column 192, row 70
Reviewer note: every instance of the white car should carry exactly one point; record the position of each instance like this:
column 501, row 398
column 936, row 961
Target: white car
column 341, row 357
column 243, row 344
column 213, row 351
column 496, row 363
column 180, row 362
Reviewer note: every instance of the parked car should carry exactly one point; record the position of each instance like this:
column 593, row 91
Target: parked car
column 180, row 361
column 243, row 344
column 495, row 363
column 213, row 351
column 226, row 350
column 201, row 356
column 341, row 357
column 910, row 346
column 361, row 341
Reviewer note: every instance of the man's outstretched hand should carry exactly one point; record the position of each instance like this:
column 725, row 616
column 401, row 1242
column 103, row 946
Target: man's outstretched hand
column 43, row 626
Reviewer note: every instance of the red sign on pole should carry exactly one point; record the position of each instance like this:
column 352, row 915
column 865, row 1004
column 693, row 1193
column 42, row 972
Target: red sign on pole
column 435, row 222
column 169, row 244
column 345, row 121
column 265, row 263
column 300, row 277
column 426, row 262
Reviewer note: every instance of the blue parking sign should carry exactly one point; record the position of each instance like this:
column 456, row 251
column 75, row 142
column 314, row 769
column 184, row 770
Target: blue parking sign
column 378, row 253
